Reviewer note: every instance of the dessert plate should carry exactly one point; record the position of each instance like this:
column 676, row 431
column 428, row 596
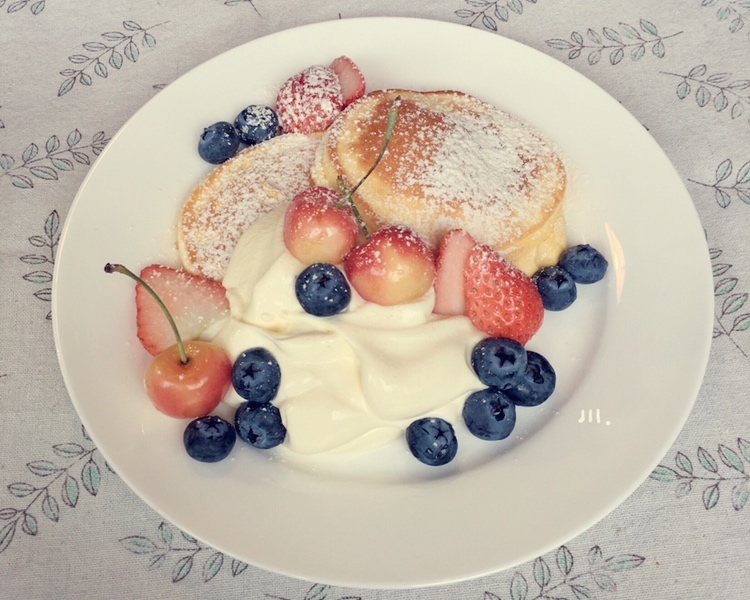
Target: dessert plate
column 630, row 354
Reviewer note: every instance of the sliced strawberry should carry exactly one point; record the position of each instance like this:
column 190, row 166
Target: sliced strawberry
column 309, row 101
column 453, row 255
column 351, row 79
column 393, row 267
column 500, row 299
column 194, row 302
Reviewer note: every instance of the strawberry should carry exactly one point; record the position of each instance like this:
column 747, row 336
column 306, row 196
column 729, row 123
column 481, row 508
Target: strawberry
column 310, row 100
column 195, row 303
column 350, row 77
column 453, row 254
column 501, row 300
column 393, row 267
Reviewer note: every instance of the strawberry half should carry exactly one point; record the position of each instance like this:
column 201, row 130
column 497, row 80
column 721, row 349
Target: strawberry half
column 309, row 101
column 501, row 300
column 195, row 303
column 351, row 79
column 452, row 257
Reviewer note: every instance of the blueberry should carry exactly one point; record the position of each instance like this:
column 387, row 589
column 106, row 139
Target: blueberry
column 489, row 414
column 556, row 287
column 323, row 290
column 259, row 425
column 256, row 124
column 499, row 362
column 537, row 384
column 584, row 263
column 256, row 376
column 218, row 143
column 209, row 439
column 432, row 441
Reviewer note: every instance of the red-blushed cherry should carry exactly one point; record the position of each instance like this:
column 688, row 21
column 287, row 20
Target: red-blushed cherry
column 319, row 227
column 188, row 379
column 395, row 266
column 192, row 389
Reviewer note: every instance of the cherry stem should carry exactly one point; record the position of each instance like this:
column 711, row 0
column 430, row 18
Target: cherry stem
column 115, row 268
column 348, row 193
column 348, row 200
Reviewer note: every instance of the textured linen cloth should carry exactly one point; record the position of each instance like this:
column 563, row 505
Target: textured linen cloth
column 71, row 528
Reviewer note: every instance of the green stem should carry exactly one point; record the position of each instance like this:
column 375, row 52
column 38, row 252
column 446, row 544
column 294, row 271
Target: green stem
column 347, row 199
column 348, row 193
column 115, row 268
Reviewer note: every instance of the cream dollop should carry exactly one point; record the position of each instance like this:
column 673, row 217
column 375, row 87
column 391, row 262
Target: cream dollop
column 353, row 380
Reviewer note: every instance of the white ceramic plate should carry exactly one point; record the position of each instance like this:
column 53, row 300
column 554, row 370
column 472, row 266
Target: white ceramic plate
column 630, row 354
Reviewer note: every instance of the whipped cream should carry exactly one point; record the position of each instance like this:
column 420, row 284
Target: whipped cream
column 351, row 381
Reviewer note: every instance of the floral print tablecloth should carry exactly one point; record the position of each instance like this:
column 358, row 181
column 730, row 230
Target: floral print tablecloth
column 73, row 72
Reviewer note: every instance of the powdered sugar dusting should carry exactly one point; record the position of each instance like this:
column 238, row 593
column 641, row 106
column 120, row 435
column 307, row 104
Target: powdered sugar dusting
column 455, row 161
column 310, row 100
column 235, row 194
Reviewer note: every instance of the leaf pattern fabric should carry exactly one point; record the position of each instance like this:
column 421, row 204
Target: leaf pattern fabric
column 74, row 72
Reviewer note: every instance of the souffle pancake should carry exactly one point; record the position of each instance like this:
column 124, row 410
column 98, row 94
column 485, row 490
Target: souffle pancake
column 453, row 161
column 230, row 198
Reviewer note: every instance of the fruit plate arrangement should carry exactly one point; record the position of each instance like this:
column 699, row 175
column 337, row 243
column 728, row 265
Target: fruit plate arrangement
column 629, row 354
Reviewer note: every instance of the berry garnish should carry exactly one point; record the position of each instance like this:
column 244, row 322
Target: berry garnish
column 259, row 425
column 322, row 290
column 186, row 380
column 453, row 254
column 321, row 224
column 394, row 266
column 556, row 287
column 190, row 389
column 310, row 100
column 499, row 362
column 489, row 414
column 256, row 123
column 584, row 263
column 317, row 228
column 218, row 143
column 432, row 441
column 256, row 376
column 194, row 302
column 500, row 299
column 537, row 383
column 350, row 78
column 209, row 439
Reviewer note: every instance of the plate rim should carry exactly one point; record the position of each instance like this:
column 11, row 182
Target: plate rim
column 369, row 22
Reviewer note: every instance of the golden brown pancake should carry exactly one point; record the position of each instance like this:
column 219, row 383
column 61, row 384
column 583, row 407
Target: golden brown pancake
column 453, row 162
column 235, row 194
